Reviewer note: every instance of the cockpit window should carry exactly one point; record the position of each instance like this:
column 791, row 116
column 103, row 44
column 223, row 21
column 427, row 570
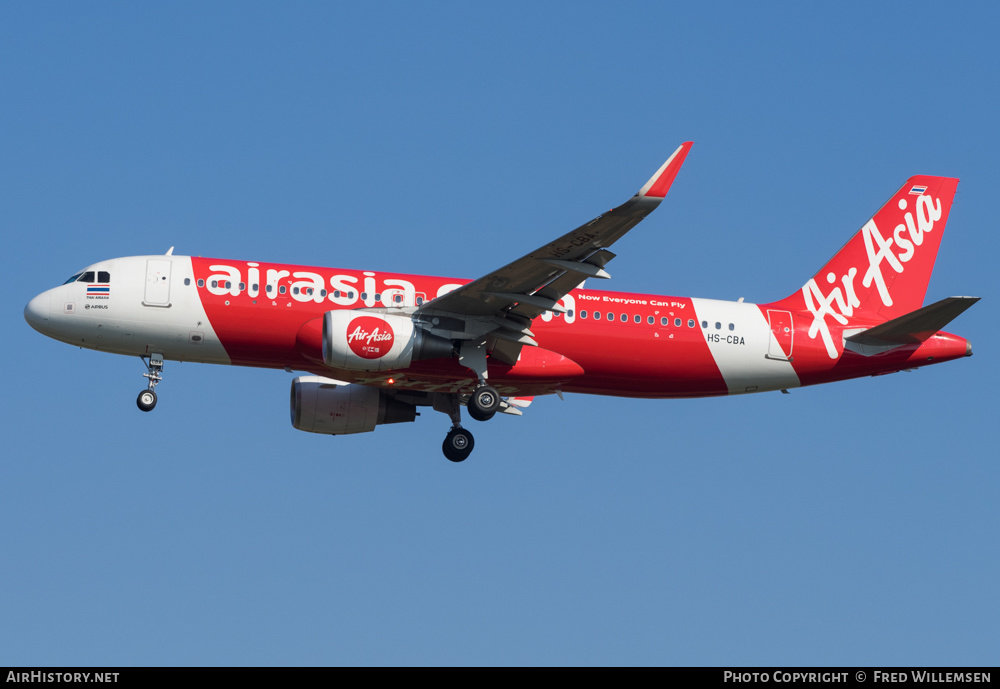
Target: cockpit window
column 100, row 276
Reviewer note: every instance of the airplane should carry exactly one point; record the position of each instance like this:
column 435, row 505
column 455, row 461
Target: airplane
column 377, row 346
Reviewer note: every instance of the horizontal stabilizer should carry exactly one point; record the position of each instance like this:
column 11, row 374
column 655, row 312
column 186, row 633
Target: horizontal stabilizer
column 914, row 327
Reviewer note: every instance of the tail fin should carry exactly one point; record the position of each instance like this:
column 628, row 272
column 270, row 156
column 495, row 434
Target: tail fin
column 883, row 271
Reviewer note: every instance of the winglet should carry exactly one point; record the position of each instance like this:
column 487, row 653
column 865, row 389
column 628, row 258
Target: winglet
column 659, row 184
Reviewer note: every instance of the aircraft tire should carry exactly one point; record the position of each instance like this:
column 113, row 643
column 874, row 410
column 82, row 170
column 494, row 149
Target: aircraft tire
column 458, row 445
column 146, row 400
column 485, row 400
column 478, row 415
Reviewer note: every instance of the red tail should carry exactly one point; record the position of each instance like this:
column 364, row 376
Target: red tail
column 883, row 271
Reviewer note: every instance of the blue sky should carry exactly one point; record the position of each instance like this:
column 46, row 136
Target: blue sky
column 849, row 524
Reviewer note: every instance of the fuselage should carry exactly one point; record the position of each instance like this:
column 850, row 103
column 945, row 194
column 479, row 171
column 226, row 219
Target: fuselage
column 608, row 343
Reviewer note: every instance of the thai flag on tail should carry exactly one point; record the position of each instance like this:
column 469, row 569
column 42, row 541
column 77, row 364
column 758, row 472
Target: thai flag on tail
column 918, row 189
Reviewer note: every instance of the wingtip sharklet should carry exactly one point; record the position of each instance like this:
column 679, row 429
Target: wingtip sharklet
column 659, row 184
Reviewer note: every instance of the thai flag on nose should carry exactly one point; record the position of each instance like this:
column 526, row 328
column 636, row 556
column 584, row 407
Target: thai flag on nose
column 918, row 189
column 98, row 290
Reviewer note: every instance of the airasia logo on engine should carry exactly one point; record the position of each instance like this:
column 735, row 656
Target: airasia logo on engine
column 370, row 338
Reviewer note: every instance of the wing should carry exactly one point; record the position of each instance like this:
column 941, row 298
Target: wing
column 497, row 308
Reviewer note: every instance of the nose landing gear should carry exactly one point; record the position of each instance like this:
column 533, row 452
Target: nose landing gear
column 154, row 366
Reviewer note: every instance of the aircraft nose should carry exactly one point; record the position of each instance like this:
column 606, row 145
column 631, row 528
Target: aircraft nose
column 37, row 312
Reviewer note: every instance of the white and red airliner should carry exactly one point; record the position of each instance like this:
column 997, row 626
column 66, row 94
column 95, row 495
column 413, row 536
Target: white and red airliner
column 379, row 345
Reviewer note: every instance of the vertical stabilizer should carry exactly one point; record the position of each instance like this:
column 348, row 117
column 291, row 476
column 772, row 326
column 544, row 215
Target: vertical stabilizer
column 883, row 271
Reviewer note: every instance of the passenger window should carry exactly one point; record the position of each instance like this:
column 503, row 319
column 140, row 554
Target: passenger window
column 650, row 320
column 690, row 322
column 201, row 283
column 215, row 283
column 187, row 281
column 103, row 276
column 718, row 325
column 732, row 327
column 281, row 290
column 704, row 324
column 624, row 318
column 664, row 321
column 295, row 290
column 336, row 294
column 597, row 315
column 322, row 293
column 583, row 314
column 269, row 289
column 420, row 300
column 638, row 318
column 229, row 285
column 569, row 313
column 611, row 316
column 378, row 297
column 398, row 298
column 256, row 287
column 677, row 322
column 364, row 296
column 243, row 286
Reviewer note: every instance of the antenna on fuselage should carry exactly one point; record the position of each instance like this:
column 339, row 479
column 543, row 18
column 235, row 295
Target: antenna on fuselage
column 170, row 252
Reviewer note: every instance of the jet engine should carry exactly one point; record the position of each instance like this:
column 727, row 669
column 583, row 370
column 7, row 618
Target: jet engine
column 321, row 405
column 365, row 341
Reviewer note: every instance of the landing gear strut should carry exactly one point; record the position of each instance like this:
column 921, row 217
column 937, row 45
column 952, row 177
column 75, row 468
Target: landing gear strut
column 485, row 400
column 147, row 398
column 459, row 442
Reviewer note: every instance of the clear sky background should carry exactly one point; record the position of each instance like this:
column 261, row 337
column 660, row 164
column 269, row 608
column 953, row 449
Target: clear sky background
column 848, row 524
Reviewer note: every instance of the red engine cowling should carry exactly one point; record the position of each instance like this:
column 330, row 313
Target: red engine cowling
column 365, row 341
column 321, row 405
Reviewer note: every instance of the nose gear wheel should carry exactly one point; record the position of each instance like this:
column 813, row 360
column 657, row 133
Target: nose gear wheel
column 154, row 372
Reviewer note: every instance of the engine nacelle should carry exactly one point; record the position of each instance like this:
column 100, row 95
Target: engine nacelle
column 365, row 341
column 321, row 405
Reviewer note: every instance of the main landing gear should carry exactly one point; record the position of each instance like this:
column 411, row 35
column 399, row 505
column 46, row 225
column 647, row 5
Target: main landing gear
column 458, row 444
column 154, row 366
column 482, row 404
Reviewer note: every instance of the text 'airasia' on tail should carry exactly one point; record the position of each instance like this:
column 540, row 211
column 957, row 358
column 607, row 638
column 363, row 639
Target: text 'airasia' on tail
column 883, row 271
